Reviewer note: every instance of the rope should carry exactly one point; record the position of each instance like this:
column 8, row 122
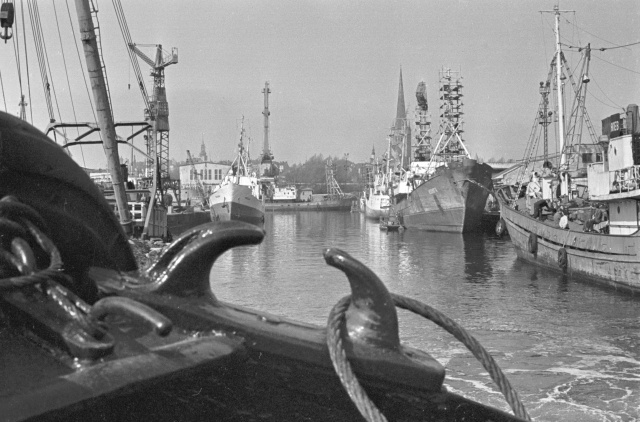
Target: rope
column 355, row 390
column 342, row 366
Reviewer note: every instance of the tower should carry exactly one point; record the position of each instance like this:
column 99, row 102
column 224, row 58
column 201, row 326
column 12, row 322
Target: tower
column 203, row 152
column 401, row 131
column 267, row 157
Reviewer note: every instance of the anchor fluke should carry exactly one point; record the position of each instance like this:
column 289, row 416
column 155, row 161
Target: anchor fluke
column 371, row 316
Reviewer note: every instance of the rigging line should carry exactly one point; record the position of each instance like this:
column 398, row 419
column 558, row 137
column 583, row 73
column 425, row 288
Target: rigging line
column 603, row 92
column 3, row 97
column 603, row 103
column 544, row 44
column 36, row 27
column 26, row 60
column 553, row 30
column 16, row 52
column 37, row 38
column 621, row 67
column 47, row 62
column 124, row 29
column 600, row 48
column 36, row 41
column 132, row 56
column 593, row 35
column 66, row 72
column 84, row 77
column 620, row 46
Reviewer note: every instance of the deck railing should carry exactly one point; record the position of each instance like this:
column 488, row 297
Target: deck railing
column 603, row 182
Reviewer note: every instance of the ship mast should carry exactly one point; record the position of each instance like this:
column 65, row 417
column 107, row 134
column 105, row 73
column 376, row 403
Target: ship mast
column 561, row 133
column 103, row 109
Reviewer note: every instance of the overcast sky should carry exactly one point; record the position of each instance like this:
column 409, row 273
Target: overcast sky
column 333, row 67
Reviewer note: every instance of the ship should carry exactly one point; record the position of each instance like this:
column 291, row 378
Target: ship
column 444, row 189
column 289, row 198
column 376, row 202
column 578, row 217
column 378, row 195
column 239, row 195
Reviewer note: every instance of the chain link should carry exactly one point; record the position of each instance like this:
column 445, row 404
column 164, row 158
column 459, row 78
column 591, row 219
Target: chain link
column 27, row 223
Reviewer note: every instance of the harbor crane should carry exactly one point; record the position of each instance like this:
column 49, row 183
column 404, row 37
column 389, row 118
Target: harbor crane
column 157, row 107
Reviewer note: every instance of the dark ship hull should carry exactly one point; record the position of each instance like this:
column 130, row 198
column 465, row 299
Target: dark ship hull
column 610, row 260
column 452, row 200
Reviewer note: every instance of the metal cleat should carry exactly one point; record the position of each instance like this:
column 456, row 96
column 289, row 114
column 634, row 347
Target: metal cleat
column 131, row 309
column 371, row 317
column 184, row 268
column 372, row 336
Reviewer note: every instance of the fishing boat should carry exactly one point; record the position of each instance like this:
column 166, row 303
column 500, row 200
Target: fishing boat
column 379, row 196
column 592, row 192
column 445, row 189
column 86, row 334
column 376, row 202
column 239, row 195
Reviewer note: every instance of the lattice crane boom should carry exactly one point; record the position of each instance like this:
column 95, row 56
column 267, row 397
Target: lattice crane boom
column 157, row 107
column 143, row 56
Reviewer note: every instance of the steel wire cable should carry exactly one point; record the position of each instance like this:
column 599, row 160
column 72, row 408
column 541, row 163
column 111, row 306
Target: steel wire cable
column 366, row 407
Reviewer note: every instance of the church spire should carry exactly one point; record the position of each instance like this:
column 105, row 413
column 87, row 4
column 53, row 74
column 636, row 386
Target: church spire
column 401, row 113
column 401, row 130
column 203, row 151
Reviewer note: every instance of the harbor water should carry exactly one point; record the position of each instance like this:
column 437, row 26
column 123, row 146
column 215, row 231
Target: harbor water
column 571, row 349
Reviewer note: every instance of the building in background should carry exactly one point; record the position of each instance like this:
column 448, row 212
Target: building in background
column 209, row 174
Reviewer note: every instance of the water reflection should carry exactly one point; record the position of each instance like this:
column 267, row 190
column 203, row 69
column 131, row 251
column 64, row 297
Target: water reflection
column 560, row 341
column 477, row 264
